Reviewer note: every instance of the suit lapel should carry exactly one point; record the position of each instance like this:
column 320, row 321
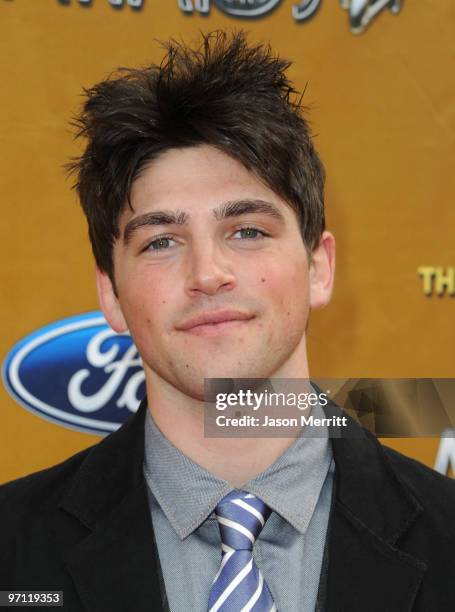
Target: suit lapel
column 365, row 573
column 372, row 510
column 115, row 567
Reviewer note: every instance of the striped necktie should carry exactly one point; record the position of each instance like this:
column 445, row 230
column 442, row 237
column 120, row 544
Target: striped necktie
column 239, row 585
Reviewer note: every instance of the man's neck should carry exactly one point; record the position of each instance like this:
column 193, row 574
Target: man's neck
column 180, row 419
column 236, row 460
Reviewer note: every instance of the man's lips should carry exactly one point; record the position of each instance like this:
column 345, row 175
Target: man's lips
column 212, row 318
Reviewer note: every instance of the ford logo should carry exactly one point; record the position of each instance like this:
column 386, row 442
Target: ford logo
column 78, row 373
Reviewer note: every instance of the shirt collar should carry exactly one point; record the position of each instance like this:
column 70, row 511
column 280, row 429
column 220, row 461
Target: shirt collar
column 188, row 493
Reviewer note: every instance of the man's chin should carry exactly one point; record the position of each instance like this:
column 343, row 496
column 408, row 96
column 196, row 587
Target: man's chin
column 202, row 387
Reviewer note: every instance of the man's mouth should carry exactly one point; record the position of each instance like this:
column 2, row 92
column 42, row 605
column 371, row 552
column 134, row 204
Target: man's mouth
column 213, row 323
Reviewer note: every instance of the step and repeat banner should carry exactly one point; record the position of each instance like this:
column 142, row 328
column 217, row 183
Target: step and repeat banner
column 379, row 87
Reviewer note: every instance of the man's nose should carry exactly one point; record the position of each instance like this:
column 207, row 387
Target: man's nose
column 209, row 270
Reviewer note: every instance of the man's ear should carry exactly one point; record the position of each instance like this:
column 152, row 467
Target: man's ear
column 109, row 302
column 322, row 271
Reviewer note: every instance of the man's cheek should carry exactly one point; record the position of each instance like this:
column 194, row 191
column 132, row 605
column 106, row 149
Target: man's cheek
column 291, row 288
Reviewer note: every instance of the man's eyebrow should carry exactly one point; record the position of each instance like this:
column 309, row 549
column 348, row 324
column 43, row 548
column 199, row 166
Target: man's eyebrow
column 160, row 217
column 234, row 208
column 245, row 206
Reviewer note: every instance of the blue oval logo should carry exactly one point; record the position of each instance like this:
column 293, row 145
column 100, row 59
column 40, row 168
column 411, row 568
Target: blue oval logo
column 78, row 373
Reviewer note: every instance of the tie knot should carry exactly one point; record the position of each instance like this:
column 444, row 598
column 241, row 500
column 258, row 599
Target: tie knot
column 241, row 517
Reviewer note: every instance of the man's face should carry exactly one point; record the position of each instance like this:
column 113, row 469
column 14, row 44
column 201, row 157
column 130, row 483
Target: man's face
column 207, row 237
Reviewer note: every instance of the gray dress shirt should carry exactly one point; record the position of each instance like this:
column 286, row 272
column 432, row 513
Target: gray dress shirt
column 289, row 551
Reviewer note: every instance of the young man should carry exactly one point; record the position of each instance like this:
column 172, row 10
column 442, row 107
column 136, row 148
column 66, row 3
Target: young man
column 204, row 199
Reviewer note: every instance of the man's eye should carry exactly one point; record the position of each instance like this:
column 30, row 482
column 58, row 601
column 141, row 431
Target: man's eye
column 159, row 244
column 251, row 233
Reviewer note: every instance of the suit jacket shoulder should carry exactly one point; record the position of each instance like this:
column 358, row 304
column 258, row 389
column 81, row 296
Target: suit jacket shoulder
column 29, row 513
column 84, row 527
column 39, row 490
column 423, row 481
column 392, row 533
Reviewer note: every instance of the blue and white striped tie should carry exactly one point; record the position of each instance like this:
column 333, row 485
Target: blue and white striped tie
column 239, row 585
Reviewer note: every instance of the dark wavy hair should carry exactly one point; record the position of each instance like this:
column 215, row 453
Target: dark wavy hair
column 223, row 92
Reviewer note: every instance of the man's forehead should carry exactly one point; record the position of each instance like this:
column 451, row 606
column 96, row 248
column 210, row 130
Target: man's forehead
column 179, row 168
column 200, row 172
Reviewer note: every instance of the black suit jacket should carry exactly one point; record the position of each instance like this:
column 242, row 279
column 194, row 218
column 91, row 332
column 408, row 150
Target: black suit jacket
column 84, row 527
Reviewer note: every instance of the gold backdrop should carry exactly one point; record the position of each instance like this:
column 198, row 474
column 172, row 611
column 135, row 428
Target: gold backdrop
column 383, row 114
